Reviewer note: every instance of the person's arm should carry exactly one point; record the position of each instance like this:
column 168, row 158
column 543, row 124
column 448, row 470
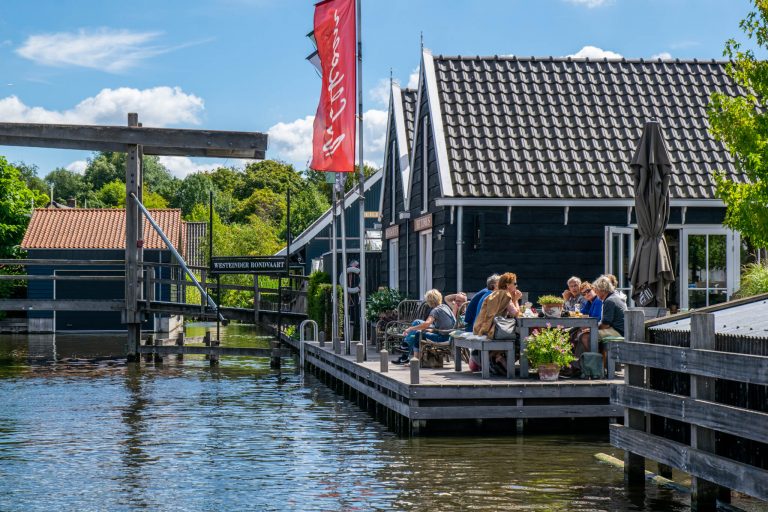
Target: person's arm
column 513, row 309
column 454, row 301
column 606, row 320
column 426, row 324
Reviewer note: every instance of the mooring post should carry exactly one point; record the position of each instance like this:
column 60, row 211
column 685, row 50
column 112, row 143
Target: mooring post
column 155, row 342
column 321, row 339
column 384, row 361
column 180, row 343
column 150, row 341
column 215, row 357
column 634, row 375
column 359, row 352
column 704, row 493
column 414, row 371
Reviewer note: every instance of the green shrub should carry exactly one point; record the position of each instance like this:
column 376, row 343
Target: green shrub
column 382, row 301
column 314, row 303
column 754, row 279
column 549, row 345
column 325, row 316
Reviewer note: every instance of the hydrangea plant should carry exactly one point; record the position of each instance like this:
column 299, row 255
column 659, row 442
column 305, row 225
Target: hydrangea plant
column 549, row 345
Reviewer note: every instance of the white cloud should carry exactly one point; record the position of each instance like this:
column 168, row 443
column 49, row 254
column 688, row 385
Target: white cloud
column 292, row 141
column 593, row 52
column 180, row 166
column 662, row 56
column 77, row 166
column 590, row 4
column 106, row 49
column 380, row 93
column 157, row 107
column 413, row 79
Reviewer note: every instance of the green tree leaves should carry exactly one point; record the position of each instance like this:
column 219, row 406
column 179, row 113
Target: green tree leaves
column 741, row 123
column 16, row 200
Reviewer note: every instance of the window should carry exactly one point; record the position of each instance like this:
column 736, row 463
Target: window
column 619, row 251
column 393, row 263
column 710, row 258
column 373, row 240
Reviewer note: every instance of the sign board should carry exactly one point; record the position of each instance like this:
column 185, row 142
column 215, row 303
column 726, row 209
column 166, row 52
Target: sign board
column 371, row 215
column 249, row 265
column 423, row 222
column 392, row 232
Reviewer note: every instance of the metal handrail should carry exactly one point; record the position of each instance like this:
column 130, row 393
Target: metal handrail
column 302, row 325
column 181, row 261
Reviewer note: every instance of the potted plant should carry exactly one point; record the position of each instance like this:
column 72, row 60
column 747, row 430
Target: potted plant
column 382, row 304
column 549, row 350
column 551, row 305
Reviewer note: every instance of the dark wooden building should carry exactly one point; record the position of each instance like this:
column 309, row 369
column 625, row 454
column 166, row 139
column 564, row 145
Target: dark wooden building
column 94, row 234
column 521, row 165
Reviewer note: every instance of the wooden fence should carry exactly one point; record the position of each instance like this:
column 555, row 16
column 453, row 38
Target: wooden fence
column 696, row 402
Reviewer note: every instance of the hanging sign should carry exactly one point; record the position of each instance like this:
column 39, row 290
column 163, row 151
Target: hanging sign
column 249, row 265
column 333, row 139
column 392, row 232
column 423, row 222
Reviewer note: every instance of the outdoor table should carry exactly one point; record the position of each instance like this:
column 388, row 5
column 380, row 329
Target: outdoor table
column 525, row 324
column 484, row 345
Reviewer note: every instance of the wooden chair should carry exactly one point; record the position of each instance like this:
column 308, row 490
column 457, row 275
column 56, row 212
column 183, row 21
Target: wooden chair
column 407, row 311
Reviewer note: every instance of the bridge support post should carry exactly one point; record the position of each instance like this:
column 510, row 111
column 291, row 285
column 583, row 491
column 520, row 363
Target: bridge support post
column 180, row 343
column 274, row 362
column 131, row 314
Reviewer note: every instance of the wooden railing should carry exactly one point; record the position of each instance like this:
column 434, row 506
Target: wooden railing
column 710, row 427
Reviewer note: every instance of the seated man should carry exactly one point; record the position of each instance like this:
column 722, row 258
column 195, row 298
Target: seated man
column 455, row 301
column 474, row 305
column 440, row 317
column 572, row 297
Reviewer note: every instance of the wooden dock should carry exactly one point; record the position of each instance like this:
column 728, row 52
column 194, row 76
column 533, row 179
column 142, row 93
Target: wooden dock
column 719, row 436
column 444, row 396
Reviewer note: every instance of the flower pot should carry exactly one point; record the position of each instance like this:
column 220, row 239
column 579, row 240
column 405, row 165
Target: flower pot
column 549, row 372
column 552, row 310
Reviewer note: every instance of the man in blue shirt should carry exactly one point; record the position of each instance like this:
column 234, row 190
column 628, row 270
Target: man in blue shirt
column 474, row 305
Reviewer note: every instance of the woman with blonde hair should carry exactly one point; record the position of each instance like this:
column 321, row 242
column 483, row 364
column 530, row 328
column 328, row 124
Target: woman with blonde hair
column 440, row 317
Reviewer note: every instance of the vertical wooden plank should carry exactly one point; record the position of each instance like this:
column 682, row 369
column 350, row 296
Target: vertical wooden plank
column 132, row 181
column 414, row 371
column 256, row 299
column 523, row 356
column 384, row 361
column 634, row 375
column 703, row 493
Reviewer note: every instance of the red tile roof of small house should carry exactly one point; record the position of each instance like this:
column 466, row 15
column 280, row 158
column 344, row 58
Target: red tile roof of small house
column 96, row 228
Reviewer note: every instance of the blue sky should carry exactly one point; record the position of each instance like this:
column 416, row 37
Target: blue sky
column 239, row 64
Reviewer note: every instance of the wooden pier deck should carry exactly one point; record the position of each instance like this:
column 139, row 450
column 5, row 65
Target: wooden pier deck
column 444, row 395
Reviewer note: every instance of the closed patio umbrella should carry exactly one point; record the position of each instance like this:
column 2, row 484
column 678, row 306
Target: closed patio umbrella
column 651, row 271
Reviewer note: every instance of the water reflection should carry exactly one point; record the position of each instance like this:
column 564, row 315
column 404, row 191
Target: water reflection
column 93, row 433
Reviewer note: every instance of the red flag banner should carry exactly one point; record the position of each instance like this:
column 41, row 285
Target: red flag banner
column 333, row 140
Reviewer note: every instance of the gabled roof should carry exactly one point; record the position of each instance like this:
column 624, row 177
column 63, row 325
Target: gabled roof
column 531, row 128
column 95, row 228
column 402, row 113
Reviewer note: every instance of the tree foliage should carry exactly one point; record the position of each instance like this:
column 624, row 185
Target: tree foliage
column 741, row 123
column 67, row 184
column 16, row 200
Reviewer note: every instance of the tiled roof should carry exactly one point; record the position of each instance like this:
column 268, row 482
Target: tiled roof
column 92, row 228
column 409, row 97
column 567, row 128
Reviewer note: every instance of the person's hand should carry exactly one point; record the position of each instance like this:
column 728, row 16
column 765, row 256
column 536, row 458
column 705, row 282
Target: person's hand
column 566, row 294
column 517, row 296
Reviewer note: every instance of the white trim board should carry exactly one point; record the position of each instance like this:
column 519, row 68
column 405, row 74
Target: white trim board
column 325, row 219
column 461, row 201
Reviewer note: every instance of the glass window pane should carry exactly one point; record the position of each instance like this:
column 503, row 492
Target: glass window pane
column 615, row 246
column 623, row 276
column 717, row 258
column 717, row 297
column 697, row 248
column 697, row 299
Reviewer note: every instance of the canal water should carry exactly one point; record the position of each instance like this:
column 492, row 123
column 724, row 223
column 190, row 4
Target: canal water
column 81, row 430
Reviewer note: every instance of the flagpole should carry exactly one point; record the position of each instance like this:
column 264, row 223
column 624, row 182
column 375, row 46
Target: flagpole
column 361, row 172
column 334, row 277
column 342, row 179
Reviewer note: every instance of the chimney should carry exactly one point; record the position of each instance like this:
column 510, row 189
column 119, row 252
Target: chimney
column 72, row 202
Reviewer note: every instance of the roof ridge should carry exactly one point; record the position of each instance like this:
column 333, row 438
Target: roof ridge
column 580, row 59
column 103, row 209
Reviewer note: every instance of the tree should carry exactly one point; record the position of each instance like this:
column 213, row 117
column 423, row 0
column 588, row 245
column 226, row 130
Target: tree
column 30, row 177
column 16, row 201
column 104, row 168
column 264, row 204
column 227, row 179
column 112, row 195
column 270, row 174
column 318, row 179
column 306, row 206
column 67, row 184
column 741, row 123
column 194, row 189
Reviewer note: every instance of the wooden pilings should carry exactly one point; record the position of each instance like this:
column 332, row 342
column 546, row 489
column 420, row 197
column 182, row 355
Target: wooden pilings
column 131, row 314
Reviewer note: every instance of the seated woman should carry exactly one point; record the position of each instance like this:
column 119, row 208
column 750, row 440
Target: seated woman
column 612, row 319
column 502, row 302
column 440, row 317
column 592, row 306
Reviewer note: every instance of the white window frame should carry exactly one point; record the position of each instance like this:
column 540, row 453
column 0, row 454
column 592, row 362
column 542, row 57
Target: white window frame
column 610, row 232
column 425, row 261
column 732, row 260
column 393, row 260
column 424, row 168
